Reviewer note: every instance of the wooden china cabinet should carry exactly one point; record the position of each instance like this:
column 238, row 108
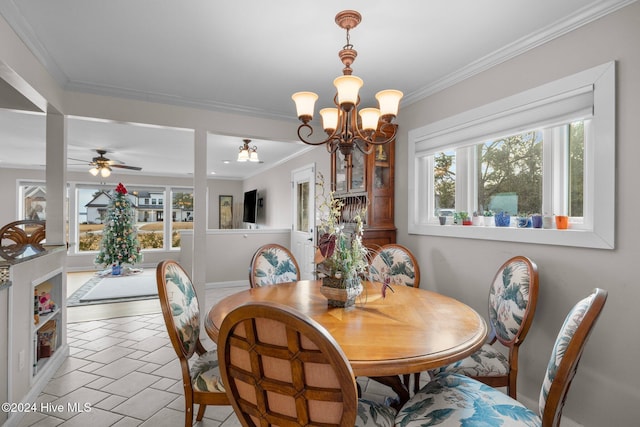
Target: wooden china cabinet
column 367, row 180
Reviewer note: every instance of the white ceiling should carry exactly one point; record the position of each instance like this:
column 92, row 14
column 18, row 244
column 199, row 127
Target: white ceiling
column 249, row 56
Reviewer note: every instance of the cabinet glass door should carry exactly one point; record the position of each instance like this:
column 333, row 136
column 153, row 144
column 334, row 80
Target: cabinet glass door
column 358, row 171
column 341, row 173
column 382, row 171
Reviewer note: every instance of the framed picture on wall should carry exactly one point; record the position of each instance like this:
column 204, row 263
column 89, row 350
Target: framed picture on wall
column 225, row 212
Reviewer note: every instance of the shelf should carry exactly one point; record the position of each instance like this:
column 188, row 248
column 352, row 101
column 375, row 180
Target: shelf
column 44, row 318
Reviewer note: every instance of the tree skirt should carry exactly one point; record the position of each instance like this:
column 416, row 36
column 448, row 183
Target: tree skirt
column 108, row 289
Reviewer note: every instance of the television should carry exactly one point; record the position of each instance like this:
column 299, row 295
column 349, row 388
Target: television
column 249, row 209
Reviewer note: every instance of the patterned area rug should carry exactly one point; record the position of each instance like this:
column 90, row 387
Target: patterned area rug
column 103, row 289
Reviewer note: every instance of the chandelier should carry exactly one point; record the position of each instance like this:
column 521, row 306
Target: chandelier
column 341, row 123
column 248, row 153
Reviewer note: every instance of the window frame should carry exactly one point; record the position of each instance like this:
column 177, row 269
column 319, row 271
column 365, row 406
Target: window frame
column 589, row 94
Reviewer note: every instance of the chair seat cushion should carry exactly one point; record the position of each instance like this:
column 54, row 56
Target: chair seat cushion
column 486, row 362
column 205, row 373
column 373, row 414
column 457, row 400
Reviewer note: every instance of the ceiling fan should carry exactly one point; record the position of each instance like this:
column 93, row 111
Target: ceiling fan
column 102, row 165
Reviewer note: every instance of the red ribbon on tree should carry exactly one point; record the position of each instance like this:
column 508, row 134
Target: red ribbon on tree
column 120, row 189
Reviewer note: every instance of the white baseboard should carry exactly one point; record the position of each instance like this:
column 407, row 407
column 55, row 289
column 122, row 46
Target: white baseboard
column 230, row 284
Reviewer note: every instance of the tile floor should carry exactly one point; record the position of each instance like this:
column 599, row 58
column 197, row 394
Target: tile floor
column 125, row 370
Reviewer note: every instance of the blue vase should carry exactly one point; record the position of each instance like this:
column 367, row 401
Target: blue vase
column 116, row 270
column 502, row 219
column 536, row 221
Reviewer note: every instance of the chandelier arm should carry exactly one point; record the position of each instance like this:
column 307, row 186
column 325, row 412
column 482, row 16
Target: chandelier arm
column 384, row 126
column 332, row 145
column 367, row 149
column 306, row 141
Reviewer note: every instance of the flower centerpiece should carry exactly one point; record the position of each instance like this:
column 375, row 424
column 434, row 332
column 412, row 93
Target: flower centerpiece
column 341, row 258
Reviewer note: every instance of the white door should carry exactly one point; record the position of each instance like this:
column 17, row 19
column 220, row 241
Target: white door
column 304, row 219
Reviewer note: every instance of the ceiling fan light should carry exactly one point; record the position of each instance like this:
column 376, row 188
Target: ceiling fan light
column 94, row 171
column 105, row 172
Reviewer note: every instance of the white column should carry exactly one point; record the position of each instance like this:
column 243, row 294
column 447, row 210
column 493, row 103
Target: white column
column 56, row 175
column 200, row 202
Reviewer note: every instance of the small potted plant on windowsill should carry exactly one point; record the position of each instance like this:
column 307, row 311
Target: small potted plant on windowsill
column 477, row 219
column 464, row 218
column 488, row 218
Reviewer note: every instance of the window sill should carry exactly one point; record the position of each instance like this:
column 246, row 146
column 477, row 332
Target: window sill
column 541, row 236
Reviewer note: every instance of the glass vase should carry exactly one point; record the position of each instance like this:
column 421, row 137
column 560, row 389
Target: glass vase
column 341, row 292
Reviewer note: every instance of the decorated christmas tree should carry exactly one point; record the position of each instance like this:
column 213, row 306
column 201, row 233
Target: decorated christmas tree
column 119, row 243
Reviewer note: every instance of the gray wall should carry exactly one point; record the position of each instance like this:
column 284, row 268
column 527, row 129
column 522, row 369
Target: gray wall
column 224, row 187
column 276, row 185
column 605, row 390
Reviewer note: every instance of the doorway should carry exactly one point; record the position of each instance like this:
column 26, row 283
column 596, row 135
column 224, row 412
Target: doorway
column 303, row 236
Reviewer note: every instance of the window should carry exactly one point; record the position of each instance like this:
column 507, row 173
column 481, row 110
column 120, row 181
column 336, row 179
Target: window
column 92, row 209
column 33, row 197
column 181, row 213
column 549, row 150
column 92, row 203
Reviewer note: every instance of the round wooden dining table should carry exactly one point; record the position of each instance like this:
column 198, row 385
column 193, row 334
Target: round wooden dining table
column 411, row 330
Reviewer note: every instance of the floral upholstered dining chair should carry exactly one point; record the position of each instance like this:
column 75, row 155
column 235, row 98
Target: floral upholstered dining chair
column 512, row 302
column 200, row 377
column 396, row 264
column 452, row 399
column 272, row 264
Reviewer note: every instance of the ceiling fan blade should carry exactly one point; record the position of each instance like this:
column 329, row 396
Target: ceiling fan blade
column 88, row 162
column 135, row 168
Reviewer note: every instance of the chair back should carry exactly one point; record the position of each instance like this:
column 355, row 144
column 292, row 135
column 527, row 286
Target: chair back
column 397, row 263
column 24, row 232
column 512, row 300
column 282, row 368
column 180, row 308
column 566, row 355
column 272, row 264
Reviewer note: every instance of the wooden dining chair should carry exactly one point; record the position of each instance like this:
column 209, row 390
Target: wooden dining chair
column 512, row 303
column 16, row 236
column 283, row 368
column 452, row 399
column 200, row 377
column 272, row 264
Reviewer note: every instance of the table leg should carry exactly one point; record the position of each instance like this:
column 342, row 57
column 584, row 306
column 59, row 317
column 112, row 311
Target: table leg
column 395, row 382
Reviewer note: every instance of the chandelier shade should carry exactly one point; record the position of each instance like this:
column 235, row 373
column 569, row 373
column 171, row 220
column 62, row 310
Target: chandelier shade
column 305, row 101
column 348, row 88
column 247, row 153
column 346, row 128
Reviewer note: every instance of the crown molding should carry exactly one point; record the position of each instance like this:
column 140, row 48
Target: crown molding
column 580, row 18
